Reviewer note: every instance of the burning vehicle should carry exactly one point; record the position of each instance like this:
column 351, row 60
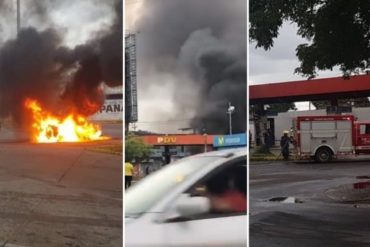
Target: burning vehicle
column 49, row 88
column 71, row 128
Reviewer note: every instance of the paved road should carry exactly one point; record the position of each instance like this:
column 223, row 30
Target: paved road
column 332, row 204
column 59, row 195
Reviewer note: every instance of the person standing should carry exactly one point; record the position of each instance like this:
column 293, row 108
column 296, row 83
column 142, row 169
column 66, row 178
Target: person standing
column 129, row 172
column 284, row 144
column 147, row 170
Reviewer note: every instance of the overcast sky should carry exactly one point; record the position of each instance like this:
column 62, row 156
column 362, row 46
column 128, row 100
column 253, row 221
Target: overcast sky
column 76, row 20
column 278, row 64
column 150, row 98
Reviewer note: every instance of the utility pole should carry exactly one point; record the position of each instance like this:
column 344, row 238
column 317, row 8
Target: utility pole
column 18, row 16
column 205, row 142
column 230, row 111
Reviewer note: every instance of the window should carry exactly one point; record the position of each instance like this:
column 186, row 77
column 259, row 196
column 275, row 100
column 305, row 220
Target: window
column 365, row 129
column 226, row 190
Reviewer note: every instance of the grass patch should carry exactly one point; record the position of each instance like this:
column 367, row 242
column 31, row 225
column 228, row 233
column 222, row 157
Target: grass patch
column 265, row 158
column 111, row 149
column 262, row 154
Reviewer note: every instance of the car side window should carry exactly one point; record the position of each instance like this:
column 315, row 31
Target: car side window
column 367, row 129
column 225, row 190
column 362, row 129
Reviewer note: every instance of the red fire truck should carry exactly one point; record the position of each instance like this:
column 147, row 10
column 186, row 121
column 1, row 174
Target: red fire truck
column 325, row 137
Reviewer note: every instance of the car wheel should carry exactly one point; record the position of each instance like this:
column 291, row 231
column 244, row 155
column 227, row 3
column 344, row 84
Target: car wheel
column 323, row 155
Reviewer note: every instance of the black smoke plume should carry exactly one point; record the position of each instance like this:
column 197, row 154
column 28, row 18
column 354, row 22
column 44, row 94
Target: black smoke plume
column 36, row 65
column 202, row 43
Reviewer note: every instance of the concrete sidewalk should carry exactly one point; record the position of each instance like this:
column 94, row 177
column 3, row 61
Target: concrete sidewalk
column 59, row 195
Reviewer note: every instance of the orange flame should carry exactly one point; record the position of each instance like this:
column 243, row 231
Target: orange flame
column 72, row 128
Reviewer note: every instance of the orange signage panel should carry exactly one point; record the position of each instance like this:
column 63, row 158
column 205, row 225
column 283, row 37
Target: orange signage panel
column 178, row 139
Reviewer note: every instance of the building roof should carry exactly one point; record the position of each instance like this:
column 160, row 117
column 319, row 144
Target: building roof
column 308, row 90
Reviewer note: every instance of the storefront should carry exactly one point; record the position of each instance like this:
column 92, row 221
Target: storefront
column 168, row 148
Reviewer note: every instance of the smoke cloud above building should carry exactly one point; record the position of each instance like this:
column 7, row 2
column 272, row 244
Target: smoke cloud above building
column 199, row 47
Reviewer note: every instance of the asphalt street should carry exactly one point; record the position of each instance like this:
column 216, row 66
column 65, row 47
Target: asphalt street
column 60, row 194
column 309, row 204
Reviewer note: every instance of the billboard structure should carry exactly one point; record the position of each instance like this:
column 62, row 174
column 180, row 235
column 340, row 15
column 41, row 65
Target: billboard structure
column 131, row 113
column 112, row 109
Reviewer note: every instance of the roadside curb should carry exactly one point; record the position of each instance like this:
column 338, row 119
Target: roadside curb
column 5, row 244
column 102, row 150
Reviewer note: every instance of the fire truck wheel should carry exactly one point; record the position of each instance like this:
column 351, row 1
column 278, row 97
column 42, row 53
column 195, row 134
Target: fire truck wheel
column 323, row 154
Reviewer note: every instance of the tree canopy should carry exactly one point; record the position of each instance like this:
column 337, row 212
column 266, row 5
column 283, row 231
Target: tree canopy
column 281, row 107
column 135, row 148
column 358, row 102
column 337, row 31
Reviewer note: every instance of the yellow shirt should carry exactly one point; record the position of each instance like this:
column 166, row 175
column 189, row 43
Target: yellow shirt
column 129, row 169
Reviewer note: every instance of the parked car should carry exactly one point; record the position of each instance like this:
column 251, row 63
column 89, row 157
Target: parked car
column 196, row 201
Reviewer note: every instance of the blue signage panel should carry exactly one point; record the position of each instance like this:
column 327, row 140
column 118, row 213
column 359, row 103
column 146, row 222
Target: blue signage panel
column 230, row 140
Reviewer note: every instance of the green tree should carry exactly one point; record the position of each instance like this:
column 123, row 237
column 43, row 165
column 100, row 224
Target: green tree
column 358, row 102
column 337, row 31
column 321, row 104
column 361, row 102
column 276, row 107
column 135, row 148
column 281, row 107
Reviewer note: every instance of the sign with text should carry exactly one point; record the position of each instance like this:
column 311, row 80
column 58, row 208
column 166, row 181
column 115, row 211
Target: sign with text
column 110, row 110
column 166, row 139
column 230, row 140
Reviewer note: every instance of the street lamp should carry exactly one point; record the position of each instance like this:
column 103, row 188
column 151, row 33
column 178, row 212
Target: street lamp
column 230, row 111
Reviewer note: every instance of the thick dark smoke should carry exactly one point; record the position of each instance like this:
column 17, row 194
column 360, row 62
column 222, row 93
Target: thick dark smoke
column 37, row 65
column 28, row 69
column 203, row 41
column 100, row 60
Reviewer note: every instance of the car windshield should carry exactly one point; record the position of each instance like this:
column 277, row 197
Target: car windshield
column 144, row 195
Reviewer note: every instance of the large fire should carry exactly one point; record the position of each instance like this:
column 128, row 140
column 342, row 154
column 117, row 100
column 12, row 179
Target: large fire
column 70, row 128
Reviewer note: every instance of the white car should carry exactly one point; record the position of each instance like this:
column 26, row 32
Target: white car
column 196, row 201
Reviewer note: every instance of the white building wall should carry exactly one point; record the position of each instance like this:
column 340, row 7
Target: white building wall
column 362, row 113
column 252, row 129
column 113, row 90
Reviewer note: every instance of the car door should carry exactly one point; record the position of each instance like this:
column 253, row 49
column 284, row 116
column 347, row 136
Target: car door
column 213, row 231
column 209, row 229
